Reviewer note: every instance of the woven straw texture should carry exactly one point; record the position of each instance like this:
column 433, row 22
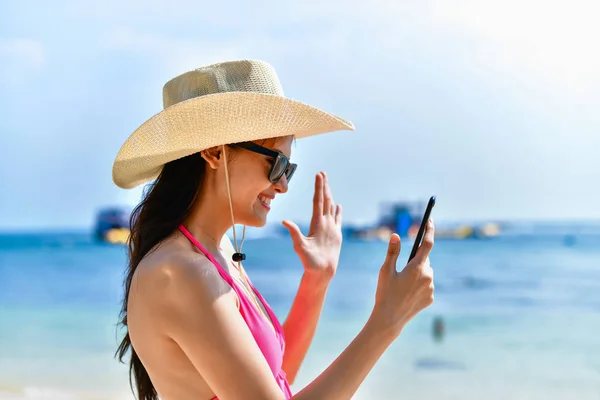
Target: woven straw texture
column 218, row 104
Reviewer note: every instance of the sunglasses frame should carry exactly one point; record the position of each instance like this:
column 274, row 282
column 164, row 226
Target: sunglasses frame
column 277, row 156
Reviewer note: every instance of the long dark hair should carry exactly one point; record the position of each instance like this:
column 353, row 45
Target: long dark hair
column 165, row 205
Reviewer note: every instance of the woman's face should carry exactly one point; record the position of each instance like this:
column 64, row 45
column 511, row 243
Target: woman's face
column 251, row 190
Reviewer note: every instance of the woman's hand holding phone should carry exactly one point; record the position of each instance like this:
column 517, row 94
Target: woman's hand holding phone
column 401, row 295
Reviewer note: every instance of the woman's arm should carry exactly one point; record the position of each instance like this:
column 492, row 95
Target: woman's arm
column 342, row 378
column 219, row 344
column 301, row 323
column 197, row 310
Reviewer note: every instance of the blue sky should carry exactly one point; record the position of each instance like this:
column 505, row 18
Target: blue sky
column 492, row 107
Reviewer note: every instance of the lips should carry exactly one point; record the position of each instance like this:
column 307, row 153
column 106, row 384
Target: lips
column 265, row 200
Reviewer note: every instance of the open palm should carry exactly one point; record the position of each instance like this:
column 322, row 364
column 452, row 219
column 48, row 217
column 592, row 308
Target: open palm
column 320, row 250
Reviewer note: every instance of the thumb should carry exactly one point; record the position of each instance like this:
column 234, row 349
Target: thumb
column 389, row 265
column 295, row 232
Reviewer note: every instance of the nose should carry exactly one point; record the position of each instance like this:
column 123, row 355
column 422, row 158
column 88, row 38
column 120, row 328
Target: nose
column 282, row 185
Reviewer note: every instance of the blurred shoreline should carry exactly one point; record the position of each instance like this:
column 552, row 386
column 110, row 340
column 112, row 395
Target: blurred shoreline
column 516, row 226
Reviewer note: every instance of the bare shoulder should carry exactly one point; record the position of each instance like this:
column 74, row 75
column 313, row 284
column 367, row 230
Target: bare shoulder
column 196, row 308
column 173, row 274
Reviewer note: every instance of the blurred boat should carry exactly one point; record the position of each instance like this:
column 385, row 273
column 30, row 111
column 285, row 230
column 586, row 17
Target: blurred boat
column 467, row 231
column 404, row 218
column 112, row 225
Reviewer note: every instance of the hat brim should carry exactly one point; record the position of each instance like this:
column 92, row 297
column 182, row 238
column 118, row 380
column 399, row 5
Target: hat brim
column 212, row 120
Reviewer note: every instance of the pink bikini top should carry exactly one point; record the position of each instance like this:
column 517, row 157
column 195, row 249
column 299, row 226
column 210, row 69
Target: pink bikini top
column 272, row 344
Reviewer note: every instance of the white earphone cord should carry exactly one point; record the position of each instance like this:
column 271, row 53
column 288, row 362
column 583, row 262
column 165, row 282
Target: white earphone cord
column 238, row 250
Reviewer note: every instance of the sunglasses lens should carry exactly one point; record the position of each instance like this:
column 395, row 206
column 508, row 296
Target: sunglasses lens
column 290, row 171
column 279, row 167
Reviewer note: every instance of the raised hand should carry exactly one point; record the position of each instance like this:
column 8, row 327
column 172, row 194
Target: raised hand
column 320, row 250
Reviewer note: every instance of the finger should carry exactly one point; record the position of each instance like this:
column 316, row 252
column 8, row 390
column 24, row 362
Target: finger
column 427, row 270
column 338, row 214
column 428, row 273
column 329, row 195
column 427, row 244
column 327, row 200
column 318, row 197
column 389, row 265
column 295, row 232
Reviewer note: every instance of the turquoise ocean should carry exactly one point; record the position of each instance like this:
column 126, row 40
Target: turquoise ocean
column 521, row 315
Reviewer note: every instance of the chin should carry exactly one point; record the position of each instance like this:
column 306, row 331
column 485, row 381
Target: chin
column 254, row 216
column 259, row 223
column 254, row 220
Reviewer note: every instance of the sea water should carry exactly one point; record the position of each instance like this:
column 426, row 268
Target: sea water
column 521, row 314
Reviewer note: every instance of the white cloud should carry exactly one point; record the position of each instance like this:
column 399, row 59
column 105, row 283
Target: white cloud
column 28, row 52
column 174, row 52
column 480, row 66
column 19, row 57
column 548, row 40
column 178, row 54
column 534, row 42
column 198, row 17
column 485, row 88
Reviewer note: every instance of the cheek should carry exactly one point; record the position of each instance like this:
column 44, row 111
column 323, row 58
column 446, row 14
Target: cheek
column 249, row 181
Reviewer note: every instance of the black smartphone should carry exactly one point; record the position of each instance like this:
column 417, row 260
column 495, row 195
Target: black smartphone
column 421, row 232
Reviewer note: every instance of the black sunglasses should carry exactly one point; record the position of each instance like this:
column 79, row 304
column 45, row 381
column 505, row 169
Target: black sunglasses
column 280, row 163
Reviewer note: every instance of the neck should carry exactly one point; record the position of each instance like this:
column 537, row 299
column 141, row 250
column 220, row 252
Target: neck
column 208, row 222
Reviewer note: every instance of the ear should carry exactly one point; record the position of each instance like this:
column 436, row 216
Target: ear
column 212, row 157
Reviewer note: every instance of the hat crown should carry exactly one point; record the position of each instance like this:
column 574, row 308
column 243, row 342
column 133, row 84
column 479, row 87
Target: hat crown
column 232, row 76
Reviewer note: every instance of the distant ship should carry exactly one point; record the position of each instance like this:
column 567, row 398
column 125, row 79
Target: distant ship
column 112, row 225
column 404, row 218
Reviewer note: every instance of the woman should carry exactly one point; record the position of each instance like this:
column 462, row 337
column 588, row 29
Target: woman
column 197, row 328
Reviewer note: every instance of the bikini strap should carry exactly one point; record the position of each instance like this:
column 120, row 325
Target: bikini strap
column 221, row 270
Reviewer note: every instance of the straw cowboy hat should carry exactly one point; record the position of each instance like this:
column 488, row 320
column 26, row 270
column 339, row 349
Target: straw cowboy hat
column 219, row 104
